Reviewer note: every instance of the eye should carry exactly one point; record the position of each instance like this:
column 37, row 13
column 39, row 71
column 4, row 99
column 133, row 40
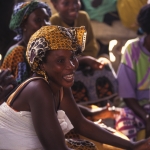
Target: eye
column 60, row 60
column 38, row 19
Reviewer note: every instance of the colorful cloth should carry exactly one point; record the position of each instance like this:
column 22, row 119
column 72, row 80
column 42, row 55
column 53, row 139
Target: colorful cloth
column 22, row 11
column 53, row 38
column 91, row 48
column 134, row 82
column 15, row 59
column 98, row 13
column 100, row 84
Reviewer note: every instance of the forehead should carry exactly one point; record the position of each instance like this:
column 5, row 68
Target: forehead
column 39, row 12
column 59, row 53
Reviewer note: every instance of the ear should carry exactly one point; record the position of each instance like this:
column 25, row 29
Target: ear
column 23, row 26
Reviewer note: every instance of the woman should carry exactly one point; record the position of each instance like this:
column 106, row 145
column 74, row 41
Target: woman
column 89, row 76
column 31, row 114
column 134, row 83
column 27, row 18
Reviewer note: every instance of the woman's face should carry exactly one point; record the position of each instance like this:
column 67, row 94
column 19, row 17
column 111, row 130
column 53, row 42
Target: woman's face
column 68, row 10
column 38, row 18
column 60, row 67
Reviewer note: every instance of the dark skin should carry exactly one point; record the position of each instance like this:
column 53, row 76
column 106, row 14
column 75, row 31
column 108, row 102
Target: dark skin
column 7, row 82
column 60, row 66
column 133, row 104
column 68, row 11
column 38, row 18
column 107, row 112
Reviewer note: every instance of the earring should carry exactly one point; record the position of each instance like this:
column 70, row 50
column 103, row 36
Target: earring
column 45, row 76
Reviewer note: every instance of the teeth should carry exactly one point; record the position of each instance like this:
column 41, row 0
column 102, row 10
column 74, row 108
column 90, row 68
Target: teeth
column 70, row 76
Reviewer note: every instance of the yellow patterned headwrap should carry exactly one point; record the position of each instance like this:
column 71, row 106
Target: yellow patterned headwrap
column 54, row 38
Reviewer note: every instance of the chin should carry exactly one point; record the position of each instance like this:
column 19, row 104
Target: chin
column 68, row 85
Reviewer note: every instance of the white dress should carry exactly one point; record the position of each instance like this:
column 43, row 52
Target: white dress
column 17, row 131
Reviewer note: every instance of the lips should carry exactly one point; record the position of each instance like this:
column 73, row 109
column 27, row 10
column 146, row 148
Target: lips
column 69, row 77
column 73, row 14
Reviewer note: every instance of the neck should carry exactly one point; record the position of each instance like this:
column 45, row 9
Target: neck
column 54, row 88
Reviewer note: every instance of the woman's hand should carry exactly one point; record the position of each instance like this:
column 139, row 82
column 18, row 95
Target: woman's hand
column 93, row 63
column 7, row 83
column 142, row 145
column 108, row 112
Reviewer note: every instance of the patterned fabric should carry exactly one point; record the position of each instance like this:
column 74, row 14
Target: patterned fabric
column 134, row 82
column 134, row 72
column 15, row 60
column 80, row 144
column 54, row 38
column 22, row 11
column 101, row 83
column 91, row 48
column 130, row 124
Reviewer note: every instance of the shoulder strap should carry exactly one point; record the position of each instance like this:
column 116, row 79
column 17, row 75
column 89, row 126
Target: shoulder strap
column 12, row 97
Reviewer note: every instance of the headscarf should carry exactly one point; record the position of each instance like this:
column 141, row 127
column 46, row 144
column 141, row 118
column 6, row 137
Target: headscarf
column 21, row 12
column 53, row 38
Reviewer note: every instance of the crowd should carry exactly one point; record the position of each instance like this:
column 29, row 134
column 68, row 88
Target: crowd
column 58, row 54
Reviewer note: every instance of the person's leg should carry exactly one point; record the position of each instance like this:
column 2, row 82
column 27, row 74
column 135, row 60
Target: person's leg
column 129, row 124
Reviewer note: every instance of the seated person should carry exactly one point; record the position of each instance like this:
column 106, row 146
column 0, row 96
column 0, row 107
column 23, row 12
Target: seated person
column 40, row 116
column 134, row 84
column 27, row 18
column 90, row 68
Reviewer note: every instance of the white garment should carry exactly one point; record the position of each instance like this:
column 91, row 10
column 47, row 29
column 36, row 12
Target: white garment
column 17, row 131
column 148, row 1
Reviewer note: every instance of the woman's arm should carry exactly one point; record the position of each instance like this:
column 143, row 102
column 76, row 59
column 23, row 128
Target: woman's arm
column 88, row 128
column 37, row 97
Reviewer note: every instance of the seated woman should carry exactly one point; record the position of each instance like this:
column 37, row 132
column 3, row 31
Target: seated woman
column 134, row 83
column 38, row 112
column 90, row 68
column 27, row 18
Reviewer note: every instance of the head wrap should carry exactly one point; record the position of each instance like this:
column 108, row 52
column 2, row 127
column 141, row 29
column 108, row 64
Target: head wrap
column 21, row 12
column 53, row 38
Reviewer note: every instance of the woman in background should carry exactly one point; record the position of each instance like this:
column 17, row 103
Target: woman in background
column 27, row 18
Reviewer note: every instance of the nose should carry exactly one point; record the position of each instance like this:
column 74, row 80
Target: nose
column 73, row 6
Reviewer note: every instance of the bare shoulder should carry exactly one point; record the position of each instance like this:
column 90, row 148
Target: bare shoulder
column 36, row 93
column 38, row 87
